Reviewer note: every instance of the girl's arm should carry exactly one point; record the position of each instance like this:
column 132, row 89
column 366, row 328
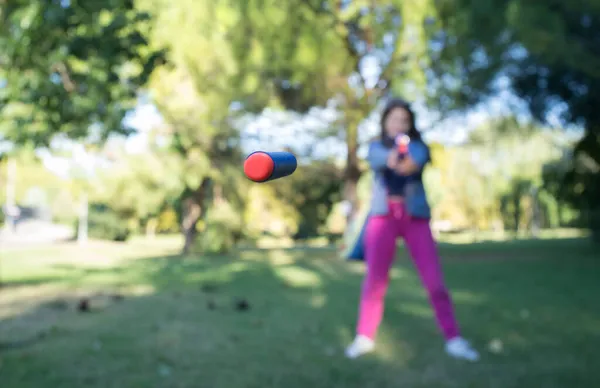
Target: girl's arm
column 415, row 160
column 378, row 155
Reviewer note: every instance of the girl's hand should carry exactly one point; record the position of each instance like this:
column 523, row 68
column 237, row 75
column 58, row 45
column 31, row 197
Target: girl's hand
column 407, row 166
column 392, row 161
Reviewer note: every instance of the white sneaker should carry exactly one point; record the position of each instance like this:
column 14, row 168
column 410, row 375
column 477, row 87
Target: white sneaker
column 460, row 348
column 361, row 345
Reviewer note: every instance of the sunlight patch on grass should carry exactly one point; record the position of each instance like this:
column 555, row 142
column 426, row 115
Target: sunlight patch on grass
column 345, row 334
column 416, row 309
column 220, row 274
column 28, row 269
column 564, row 233
column 140, row 290
column 238, row 266
column 400, row 273
column 391, row 349
column 69, row 260
column 467, row 297
column 19, row 300
column 95, row 280
column 275, row 243
column 280, row 258
column 318, row 242
column 395, row 273
column 356, row 267
column 212, row 276
column 318, row 301
column 299, row 277
column 469, row 237
column 333, row 270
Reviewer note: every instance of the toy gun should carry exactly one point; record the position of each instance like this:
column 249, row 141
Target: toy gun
column 402, row 142
column 267, row 166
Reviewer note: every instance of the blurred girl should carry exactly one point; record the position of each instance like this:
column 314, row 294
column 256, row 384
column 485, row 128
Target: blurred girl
column 399, row 208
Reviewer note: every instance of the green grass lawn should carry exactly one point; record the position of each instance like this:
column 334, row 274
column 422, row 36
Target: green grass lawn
column 531, row 307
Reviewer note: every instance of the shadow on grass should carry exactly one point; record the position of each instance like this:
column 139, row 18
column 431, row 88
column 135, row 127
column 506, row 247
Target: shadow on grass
column 182, row 322
column 29, row 282
column 537, row 248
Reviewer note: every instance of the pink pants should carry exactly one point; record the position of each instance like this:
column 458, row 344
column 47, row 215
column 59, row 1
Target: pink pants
column 380, row 250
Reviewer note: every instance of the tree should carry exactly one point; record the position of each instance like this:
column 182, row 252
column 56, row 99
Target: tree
column 70, row 68
column 496, row 177
column 292, row 55
column 139, row 186
column 544, row 51
column 312, row 191
column 194, row 96
column 307, row 52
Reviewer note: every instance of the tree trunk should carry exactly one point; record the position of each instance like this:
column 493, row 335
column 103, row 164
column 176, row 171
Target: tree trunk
column 193, row 209
column 535, row 213
column 517, row 213
column 475, row 231
column 218, row 197
column 151, row 226
column 10, row 209
column 561, row 213
column 351, row 177
column 351, row 189
column 82, row 232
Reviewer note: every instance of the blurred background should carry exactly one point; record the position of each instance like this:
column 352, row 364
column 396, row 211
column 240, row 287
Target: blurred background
column 133, row 246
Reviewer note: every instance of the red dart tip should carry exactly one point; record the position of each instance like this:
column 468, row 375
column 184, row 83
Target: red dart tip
column 258, row 167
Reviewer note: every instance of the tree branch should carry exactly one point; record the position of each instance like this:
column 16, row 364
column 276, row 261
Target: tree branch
column 63, row 71
column 386, row 72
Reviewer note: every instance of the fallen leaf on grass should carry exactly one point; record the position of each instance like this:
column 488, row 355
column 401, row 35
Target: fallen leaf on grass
column 495, row 346
column 242, row 305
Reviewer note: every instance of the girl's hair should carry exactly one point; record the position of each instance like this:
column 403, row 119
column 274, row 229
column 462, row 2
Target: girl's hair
column 413, row 132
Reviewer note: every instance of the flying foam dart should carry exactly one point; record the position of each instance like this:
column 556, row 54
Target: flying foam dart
column 266, row 166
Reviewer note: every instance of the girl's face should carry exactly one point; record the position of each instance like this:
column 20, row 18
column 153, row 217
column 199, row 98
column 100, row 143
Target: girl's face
column 397, row 122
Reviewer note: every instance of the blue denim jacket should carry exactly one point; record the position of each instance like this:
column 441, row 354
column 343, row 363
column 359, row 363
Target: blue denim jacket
column 414, row 192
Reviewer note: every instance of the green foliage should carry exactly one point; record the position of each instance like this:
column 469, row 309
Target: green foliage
column 67, row 66
column 545, row 50
column 266, row 212
column 284, row 53
column 311, row 190
column 594, row 223
column 194, row 95
column 550, row 206
column 168, row 221
column 495, row 179
column 105, row 224
column 36, row 186
column 292, row 55
column 138, row 186
column 570, row 180
column 299, row 205
column 220, row 231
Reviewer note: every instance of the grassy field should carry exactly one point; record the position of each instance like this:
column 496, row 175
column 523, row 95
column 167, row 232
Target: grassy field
column 280, row 318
